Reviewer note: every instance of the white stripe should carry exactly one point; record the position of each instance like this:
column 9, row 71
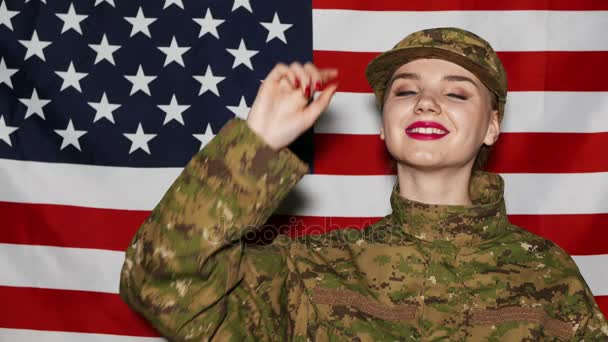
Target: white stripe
column 315, row 195
column 23, row 335
column 375, row 31
column 60, row 267
column 555, row 112
column 55, row 268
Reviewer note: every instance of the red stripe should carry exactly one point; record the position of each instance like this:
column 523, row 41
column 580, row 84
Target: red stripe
column 67, row 226
column 577, row 234
column 85, row 312
column 461, row 5
column 73, row 311
column 527, row 71
column 366, row 154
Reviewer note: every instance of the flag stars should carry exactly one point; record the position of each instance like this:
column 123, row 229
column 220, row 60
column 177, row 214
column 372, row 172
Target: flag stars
column 6, row 131
column 178, row 3
column 174, row 53
column 104, row 109
column 208, row 25
column 206, row 137
column 140, row 81
column 240, row 111
column 6, row 16
column 104, row 50
column 34, row 105
column 71, row 78
column 140, row 23
column 209, row 82
column 111, row 2
column 6, row 74
column 174, row 111
column 242, row 3
column 34, row 47
column 71, row 20
column 242, row 55
column 276, row 29
column 139, row 140
column 70, row 136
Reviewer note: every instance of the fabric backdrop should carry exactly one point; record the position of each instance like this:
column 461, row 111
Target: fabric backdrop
column 102, row 102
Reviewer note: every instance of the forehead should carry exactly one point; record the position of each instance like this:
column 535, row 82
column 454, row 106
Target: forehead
column 431, row 67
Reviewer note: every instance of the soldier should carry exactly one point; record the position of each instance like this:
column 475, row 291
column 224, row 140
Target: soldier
column 446, row 264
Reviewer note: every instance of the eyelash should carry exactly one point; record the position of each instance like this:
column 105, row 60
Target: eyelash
column 409, row 92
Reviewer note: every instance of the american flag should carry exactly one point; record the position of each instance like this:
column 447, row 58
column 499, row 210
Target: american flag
column 102, row 102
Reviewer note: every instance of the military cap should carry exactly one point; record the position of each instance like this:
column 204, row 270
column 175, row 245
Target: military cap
column 448, row 43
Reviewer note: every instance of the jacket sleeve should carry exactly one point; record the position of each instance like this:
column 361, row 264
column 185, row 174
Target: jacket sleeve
column 594, row 326
column 188, row 256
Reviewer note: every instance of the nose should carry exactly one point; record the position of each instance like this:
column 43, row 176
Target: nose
column 427, row 103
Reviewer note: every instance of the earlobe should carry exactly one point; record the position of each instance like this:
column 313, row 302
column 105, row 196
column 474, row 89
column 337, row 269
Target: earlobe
column 493, row 129
column 381, row 133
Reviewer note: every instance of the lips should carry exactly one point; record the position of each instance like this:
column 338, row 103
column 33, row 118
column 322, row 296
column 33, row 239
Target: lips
column 426, row 130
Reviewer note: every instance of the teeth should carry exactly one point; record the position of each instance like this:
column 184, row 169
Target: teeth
column 427, row 130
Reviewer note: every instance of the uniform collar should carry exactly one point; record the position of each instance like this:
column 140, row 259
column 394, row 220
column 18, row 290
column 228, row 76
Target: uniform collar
column 485, row 219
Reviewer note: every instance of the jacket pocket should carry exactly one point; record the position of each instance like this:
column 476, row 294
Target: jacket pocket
column 365, row 304
column 553, row 326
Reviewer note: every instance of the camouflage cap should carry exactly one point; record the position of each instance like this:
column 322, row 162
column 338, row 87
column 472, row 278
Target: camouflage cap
column 449, row 43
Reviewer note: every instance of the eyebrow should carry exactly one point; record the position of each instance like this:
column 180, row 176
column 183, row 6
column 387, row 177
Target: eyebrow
column 414, row 76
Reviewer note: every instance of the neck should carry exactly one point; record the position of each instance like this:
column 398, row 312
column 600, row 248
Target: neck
column 445, row 186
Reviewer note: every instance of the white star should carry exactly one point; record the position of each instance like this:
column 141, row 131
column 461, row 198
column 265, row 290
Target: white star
column 104, row 109
column 111, row 2
column 6, row 73
column 34, row 105
column 242, row 3
column 104, row 50
column 26, row 1
column 171, row 2
column 242, row 55
column 140, row 23
column 208, row 24
column 209, row 82
column 242, row 110
column 71, row 78
column 6, row 16
column 174, row 111
column 174, row 53
column 140, row 81
column 35, row 46
column 139, row 139
column 70, row 136
column 276, row 29
column 5, row 131
column 71, row 20
column 205, row 138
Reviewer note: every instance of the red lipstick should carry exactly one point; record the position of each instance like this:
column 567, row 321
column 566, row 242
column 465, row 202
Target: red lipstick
column 426, row 130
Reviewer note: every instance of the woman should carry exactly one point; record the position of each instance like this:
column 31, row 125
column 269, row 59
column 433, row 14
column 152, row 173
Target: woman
column 446, row 264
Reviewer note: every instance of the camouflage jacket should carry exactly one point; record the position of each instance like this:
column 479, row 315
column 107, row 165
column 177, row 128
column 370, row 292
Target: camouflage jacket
column 423, row 273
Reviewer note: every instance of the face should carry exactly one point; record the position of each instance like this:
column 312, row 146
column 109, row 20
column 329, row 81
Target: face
column 441, row 93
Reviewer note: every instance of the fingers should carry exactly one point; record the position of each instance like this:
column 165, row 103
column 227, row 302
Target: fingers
column 318, row 105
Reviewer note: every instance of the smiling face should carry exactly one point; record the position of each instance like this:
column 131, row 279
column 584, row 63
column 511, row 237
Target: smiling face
column 443, row 94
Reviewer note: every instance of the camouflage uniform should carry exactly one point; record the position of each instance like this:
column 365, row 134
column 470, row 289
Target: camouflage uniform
column 423, row 273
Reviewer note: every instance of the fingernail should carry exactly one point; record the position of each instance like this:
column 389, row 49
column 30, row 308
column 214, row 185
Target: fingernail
column 318, row 85
column 307, row 92
column 297, row 85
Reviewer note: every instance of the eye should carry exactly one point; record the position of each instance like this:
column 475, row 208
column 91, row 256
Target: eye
column 460, row 97
column 406, row 93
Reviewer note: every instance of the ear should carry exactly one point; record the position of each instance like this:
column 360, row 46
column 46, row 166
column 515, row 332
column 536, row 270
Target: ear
column 493, row 129
column 382, row 133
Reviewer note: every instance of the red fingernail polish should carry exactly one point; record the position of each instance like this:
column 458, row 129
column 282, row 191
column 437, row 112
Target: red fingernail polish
column 307, row 92
column 318, row 85
column 297, row 83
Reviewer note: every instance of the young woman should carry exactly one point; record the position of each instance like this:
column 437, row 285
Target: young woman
column 446, row 264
